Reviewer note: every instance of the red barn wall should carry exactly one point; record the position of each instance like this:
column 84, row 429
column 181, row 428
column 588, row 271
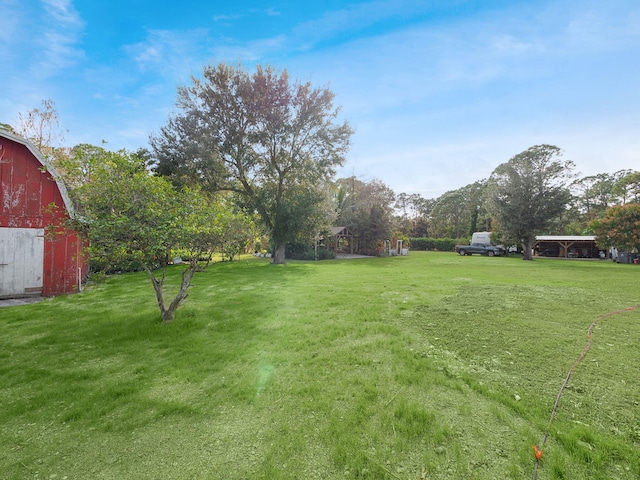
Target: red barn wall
column 27, row 192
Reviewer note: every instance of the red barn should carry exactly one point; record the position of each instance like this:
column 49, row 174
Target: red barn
column 39, row 254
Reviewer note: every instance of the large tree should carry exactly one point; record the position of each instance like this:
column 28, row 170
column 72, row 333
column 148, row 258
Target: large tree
column 528, row 192
column 620, row 227
column 459, row 213
column 449, row 217
column 275, row 142
column 628, row 187
column 414, row 212
column 367, row 209
column 595, row 193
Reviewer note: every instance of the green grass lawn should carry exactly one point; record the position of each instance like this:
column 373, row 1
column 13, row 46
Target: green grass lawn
column 431, row 366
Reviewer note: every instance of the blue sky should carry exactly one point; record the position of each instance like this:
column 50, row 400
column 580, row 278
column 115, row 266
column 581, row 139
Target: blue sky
column 439, row 92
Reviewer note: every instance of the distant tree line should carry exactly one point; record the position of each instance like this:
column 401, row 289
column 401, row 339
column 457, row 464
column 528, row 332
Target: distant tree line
column 534, row 193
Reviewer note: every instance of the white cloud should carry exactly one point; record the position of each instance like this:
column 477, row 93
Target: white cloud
column 62, row 12
column 354, row 18
column 62, row 29
column 169, row 53
column 249, row 52
column 11, row 21
column 602, row 28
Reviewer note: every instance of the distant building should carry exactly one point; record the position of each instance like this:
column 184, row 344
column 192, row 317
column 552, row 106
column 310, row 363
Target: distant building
column 567, row 246
column 39, row 253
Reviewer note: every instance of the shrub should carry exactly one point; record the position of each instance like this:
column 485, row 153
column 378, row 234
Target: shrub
column 109, row 267
column 422, row 243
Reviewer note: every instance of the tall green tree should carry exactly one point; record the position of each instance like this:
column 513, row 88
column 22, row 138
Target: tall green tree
column 422, row 209
column 620, row 227
column 274, row 141
column 412, row 214
column 367, row 209
column 628, row 187
column 593, row 194
column 460, row 212
column 449, row 217
column 528, row 192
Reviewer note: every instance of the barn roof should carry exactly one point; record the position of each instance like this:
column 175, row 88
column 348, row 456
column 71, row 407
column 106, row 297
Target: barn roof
column 48, row 167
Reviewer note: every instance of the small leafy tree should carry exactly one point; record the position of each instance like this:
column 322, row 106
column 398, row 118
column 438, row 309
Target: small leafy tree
column 620, row 227
column 234, row 229
column 131, row 216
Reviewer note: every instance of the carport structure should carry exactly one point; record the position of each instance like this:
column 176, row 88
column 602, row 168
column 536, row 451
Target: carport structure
column 567, row 246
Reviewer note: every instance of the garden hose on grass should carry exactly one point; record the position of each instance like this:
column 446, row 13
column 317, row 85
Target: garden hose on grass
column 538, row 451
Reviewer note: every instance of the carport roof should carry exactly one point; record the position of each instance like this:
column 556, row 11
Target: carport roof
column 565, row 238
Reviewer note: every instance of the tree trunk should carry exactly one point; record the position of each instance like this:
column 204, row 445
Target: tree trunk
column 168, row 314
column 157, row 287
column 527, row 251
column 278, row 255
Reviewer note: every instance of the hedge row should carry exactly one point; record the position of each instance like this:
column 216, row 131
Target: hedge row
column 439, row 244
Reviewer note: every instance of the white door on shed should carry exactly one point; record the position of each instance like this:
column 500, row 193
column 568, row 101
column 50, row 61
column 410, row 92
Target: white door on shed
column 21, row 261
